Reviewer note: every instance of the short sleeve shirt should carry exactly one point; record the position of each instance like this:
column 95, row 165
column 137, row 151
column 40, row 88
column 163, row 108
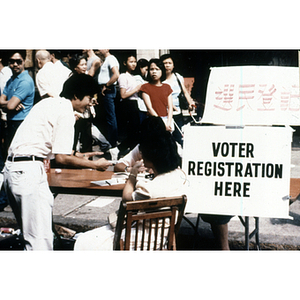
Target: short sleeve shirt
column 164, row 185
column 47, row 130
column 176, row 88
column 158, row 96
column 22, row 87
column 132, row 157
column 106, row 69
column 45, row 79
column 62, row 73
column 128, row 82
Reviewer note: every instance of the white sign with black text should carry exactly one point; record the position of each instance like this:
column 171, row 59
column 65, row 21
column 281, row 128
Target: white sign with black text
column 238, row 171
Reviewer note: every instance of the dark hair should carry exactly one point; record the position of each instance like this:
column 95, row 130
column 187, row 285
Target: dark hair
column 158, row 145
column 165, row 56
column 10, row 53
column 79, row 85
column 75, row 60
column 127, row 56
column 141, row 63
column 4, row 57
column 125, row 59
column 160, row 65
column 57, row 53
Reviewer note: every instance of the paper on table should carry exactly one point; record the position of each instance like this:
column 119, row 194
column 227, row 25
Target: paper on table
column 108, row 182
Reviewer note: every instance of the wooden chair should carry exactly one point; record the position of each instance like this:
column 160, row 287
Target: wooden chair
column 135, row 219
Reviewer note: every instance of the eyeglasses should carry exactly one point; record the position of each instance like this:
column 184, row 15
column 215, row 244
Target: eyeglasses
column 13, row 61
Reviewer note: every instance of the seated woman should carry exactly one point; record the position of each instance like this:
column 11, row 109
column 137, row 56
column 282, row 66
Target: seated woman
column 151, row 126
column 126, row 163
column 159, row 152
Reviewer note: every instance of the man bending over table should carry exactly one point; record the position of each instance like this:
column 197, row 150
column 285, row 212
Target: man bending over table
column 47, row 132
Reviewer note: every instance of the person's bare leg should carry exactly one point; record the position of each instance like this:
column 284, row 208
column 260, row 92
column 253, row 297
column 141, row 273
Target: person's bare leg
column 221, row 235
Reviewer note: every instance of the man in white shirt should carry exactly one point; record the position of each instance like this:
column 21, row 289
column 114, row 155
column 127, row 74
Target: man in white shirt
column 107, row 79
column 45, row 77
column 62, row 73
column 47, row 132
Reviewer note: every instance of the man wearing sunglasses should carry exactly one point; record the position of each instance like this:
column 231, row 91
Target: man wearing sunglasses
column 18, row 95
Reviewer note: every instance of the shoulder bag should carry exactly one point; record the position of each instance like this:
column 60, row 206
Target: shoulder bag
column 183, row 103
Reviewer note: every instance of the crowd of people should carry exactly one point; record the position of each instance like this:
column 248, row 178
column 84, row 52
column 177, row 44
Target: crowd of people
column 84, row 101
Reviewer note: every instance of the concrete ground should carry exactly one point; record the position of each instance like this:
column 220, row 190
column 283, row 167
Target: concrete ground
column 81, row 213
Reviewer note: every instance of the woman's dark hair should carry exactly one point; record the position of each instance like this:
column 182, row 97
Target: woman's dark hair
column 125, row 59
column 160, row 65
column 166, row 56
column 75, row 60
column 142, row 63
column 127, row 56
column 158, row 145
column 79, row 85
column 57, row 53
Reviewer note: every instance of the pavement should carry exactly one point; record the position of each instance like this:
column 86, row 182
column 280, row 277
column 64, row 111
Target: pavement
column 76, row 213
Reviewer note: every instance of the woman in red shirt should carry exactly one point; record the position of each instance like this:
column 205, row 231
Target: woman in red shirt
column 157, row 95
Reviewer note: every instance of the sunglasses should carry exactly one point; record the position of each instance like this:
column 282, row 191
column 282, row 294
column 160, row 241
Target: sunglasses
column 13, row 61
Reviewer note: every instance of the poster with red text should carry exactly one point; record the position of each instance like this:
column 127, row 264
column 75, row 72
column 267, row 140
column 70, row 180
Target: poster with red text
column 253, row 95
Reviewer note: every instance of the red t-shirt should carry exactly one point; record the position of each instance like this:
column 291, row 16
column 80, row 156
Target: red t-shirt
column 158, row 96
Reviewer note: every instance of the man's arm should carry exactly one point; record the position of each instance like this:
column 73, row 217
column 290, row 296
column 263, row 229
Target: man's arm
column 114, row 77
column 14, row 103
column 95, row 66
column 80, row 162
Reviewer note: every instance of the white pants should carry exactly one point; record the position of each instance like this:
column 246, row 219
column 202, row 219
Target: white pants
column 30, row 198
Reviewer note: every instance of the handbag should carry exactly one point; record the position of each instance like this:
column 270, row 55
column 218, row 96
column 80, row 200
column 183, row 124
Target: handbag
column 183, row 103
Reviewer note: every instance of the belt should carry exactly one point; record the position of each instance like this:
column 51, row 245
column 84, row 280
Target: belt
column 25, row 158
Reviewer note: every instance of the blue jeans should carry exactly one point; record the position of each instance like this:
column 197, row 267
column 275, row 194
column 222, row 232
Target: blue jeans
column 110, row 114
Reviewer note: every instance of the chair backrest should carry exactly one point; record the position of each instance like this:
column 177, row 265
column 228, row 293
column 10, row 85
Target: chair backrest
column 150, row 224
